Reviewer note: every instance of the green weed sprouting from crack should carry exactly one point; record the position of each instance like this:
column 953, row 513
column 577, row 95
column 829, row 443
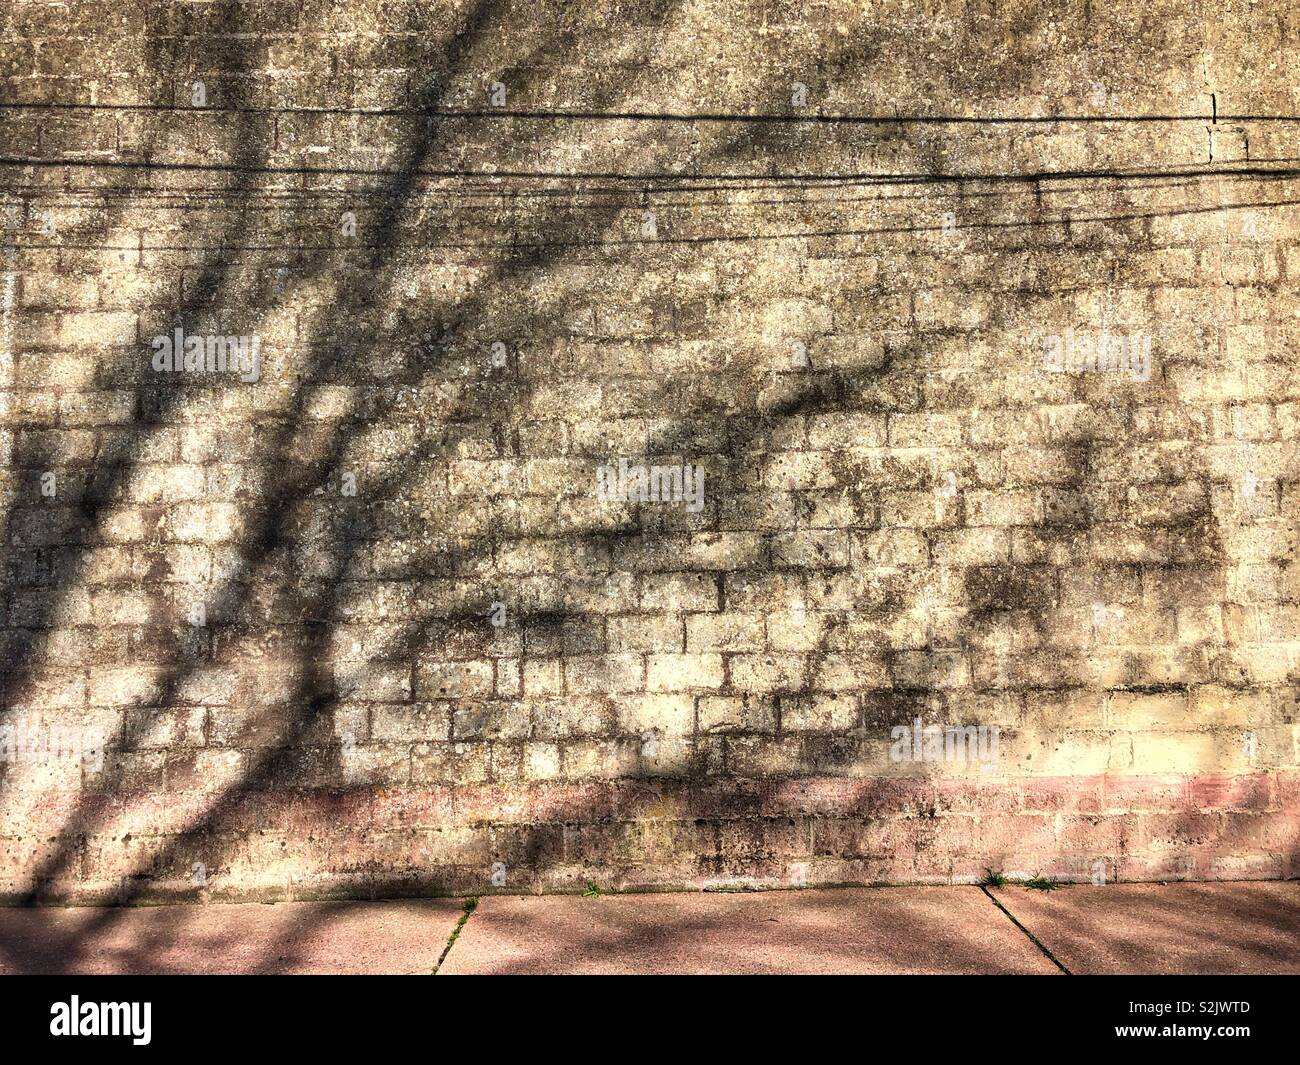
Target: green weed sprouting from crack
column 992, row 879
column 470, row 905
column 592, row 890
column 1042, row 883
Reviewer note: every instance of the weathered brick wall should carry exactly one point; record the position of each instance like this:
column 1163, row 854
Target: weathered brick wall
column 357, row 620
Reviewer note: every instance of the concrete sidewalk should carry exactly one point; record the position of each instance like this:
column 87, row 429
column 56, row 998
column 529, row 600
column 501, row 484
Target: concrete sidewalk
column 1124, row 928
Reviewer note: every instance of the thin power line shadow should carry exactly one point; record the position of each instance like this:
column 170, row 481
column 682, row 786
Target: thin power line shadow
column 863, row 178
column 87, row 199
column 741, row 238
column 503, row 114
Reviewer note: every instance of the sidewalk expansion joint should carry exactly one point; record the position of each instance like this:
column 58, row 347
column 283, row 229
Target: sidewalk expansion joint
column 470, row 905
column 1032, row 938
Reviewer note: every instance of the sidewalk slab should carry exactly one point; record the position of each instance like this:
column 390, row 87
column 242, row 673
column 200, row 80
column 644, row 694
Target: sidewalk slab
column 287, row 937
column 869, row 930
column 1200, row 928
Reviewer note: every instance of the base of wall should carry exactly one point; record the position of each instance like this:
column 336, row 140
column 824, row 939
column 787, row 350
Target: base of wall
column 721, row 834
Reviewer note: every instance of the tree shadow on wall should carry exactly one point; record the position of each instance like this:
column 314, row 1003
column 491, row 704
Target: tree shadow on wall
column 317, row 598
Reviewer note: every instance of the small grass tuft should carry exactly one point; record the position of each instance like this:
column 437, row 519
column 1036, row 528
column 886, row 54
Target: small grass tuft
column 470, row 905
column 992, row 879
column 592, row 890
column 1041, row 883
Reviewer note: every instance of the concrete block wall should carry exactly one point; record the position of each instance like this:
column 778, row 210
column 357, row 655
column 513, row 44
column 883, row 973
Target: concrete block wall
column 978, row 322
